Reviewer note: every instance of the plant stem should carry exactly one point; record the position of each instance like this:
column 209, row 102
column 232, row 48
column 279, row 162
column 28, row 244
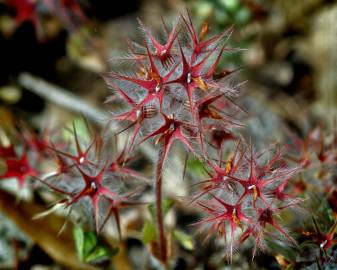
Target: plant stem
column 65, row 99
column 159, row 209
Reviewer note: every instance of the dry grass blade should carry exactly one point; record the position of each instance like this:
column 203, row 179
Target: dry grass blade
column 44, row 232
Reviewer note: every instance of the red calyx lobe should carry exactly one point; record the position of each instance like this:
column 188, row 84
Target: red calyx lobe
column 19, row 168
column 199, row 45
column 162, row 51
column 94, row 189
column 170, row 131
column 7, row 151
column 25, row 10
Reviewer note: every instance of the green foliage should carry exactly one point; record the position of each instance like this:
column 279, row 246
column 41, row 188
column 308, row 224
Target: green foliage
column 223, row 12
column 81, row 129
column 149, row 232
column 184, row 239
column 286, row 251
column 88, row 247
column 166, row 204
column 196, row 167
column 230, row 5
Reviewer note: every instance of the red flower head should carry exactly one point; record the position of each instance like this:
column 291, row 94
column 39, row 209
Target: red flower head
column 19, row 168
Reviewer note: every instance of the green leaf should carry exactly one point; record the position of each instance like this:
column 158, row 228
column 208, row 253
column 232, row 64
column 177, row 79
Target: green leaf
column 325, row 211
column 166, row 205
column 101, row 253
column 149, row 232
column 85, row 242
column 196, row 167
column 152, row 209
column 222, row 18
column 90, row 242
column 78, row 236
column 88, row 248
column 81, row 129
column 288, row 252
column 230, row 5
column 204, row 9
column 242, row 16
column 184, row 239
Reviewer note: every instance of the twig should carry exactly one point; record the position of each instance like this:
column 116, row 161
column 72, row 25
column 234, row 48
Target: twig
column 61, row 97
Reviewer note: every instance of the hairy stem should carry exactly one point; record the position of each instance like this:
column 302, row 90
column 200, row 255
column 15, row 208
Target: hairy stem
column 159, row 209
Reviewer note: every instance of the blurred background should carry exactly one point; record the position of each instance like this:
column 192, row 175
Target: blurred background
column 290, row 46
column 53, row 54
